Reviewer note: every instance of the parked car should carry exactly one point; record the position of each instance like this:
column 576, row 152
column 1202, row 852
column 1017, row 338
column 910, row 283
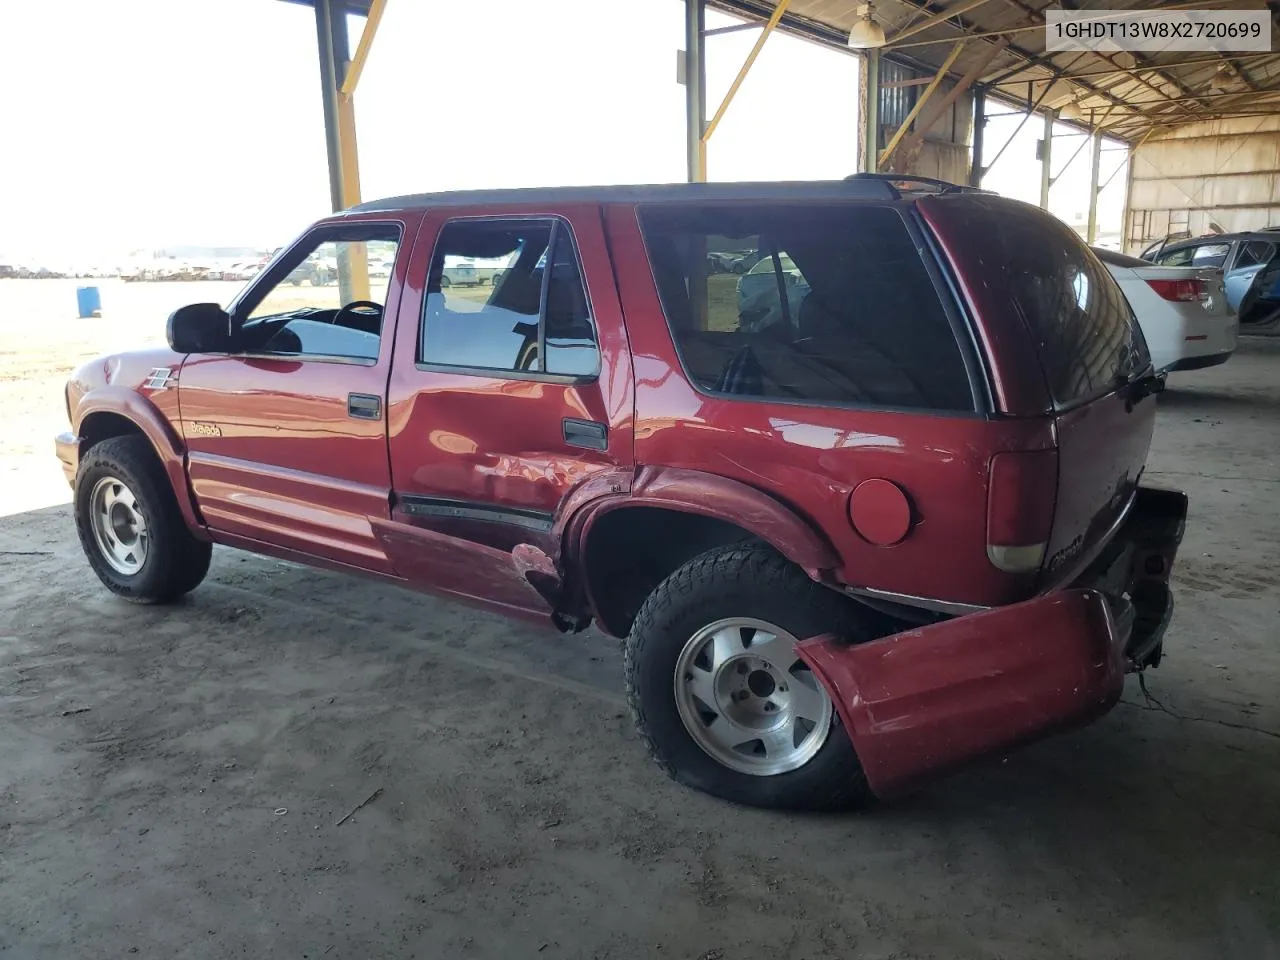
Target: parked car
column 462, row 273
column 730, row 262
column 1250, row 269
column 1183, row 311
column 760, row 293
column 316, row 271
column 845, row 553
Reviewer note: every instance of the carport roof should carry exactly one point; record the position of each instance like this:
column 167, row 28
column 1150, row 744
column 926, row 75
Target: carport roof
column 1126, row 94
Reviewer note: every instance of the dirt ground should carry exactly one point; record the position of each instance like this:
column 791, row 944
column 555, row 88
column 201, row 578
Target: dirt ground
column 172, row 781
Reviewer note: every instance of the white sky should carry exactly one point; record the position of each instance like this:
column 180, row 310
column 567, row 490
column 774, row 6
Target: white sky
column 142, row 123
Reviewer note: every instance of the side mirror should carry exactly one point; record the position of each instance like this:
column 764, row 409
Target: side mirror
column 200, row 328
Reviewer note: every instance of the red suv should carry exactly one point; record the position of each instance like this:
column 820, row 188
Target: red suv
column 863, row 507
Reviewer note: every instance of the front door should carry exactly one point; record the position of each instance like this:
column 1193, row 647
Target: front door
column 286, row 435
column 512, row 385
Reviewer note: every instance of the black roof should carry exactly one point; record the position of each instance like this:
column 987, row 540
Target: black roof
column 863, row 186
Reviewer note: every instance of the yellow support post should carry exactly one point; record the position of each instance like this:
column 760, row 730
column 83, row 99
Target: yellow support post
column 769, row 27
column 356, row 66
column 356, row 269
column 358, row 261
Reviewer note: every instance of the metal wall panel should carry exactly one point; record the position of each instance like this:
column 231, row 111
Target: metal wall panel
column 1221, row 175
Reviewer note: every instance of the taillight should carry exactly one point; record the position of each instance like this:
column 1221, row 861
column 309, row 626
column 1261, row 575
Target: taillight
column 1022, row 491
column 1182, row 291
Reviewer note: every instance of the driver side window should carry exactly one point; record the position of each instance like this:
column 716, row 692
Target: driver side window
column 330, row 304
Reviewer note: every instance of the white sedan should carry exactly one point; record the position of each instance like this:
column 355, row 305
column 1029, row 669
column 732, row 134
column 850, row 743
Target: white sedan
column 1183, row 311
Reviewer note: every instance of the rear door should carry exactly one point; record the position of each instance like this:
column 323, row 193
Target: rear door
column 1033, row 271
column 1251, row 258
column 504, row 397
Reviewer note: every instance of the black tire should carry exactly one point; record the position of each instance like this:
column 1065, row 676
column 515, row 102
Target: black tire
column 176, row 562
column 446, row 282
column 740, row 580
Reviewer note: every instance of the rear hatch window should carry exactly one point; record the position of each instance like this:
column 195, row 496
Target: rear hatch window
column 1041, row 272
column 807, row 304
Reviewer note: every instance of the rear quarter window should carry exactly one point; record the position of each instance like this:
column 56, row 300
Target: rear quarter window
column 808, row 304
column 1043, row 274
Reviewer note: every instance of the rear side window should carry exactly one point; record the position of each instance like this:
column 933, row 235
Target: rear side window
column 1210, row 255
column 1082, row 326
column 496, row 300
column 828, row 305
column 1176, row 258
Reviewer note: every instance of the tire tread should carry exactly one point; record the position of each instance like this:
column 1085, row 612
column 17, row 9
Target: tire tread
column 701, row 579
column 183, row 559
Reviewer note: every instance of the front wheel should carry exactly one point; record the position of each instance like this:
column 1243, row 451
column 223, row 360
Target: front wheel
column 130, row 527
column 720, row 695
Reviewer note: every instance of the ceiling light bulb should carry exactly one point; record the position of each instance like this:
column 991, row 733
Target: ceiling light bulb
column 867, row 34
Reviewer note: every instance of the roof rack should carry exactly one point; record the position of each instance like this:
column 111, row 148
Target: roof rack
column 939, row 186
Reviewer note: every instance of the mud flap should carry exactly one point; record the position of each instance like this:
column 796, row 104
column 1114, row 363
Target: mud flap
column 926, row 701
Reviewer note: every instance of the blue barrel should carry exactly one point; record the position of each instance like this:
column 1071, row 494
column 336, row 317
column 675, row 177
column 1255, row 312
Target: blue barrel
column 89, row 300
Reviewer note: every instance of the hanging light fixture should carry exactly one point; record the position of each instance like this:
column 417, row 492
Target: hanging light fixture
column 867, row 34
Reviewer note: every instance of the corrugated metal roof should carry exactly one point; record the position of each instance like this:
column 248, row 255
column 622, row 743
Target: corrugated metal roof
column 1125, row 93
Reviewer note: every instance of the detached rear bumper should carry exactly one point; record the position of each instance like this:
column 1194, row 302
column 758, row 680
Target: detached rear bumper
column 68, row 447
column 926, row 701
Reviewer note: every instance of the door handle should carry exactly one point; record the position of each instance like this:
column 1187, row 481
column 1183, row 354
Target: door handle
column 364, row 406
column 586, row 433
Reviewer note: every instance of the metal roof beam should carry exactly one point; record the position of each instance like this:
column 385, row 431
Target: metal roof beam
column 1089, row 74
column 1028, row 28
column 1109, row 58
column 927, row 6
column 1255, row 96
column 957, row 8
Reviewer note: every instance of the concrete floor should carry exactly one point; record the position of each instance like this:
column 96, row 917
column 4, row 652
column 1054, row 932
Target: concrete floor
column 171, row 779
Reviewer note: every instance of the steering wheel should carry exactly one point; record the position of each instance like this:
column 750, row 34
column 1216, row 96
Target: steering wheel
column 360, row 308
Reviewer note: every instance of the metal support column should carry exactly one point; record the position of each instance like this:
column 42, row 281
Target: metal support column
column 979, row 125
column 1093, row 185
column 340, row 139
column 332, row 58
column 695, row 87
column 1046, row 158
column 870, row 111
column 1126, row 217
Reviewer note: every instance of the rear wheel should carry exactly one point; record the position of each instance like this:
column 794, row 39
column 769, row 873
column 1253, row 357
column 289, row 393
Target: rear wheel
column 719, row 693
column 130, row 527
